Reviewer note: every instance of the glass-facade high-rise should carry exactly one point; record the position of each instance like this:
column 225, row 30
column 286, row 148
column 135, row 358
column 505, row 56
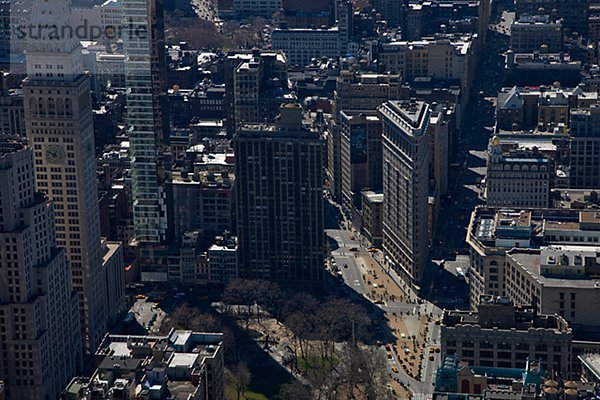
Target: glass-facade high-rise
column 143, row 57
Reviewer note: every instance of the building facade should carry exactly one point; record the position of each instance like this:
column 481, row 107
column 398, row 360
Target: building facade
column 574, row 12
column 558, row 280
column 585, row 148
column 493, row 232
column 518, row 179
column 528, row 34
column 372, row 216
column 40, row 343
column 223, row 259
column 59, row 123
column 12, row 112
column 505, row 336
column 256, row 8
column 279, row 188
column 361, row 157
column 201, row 201
column 144, row 44
column 301, row 45
column 406, row 186
column 449, row 58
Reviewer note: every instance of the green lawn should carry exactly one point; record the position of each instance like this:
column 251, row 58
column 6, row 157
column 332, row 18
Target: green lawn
column 315, row 362
column 264, row 385
column 230, row 394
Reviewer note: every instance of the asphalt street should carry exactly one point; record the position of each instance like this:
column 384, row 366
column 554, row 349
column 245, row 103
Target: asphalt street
column 351, row 270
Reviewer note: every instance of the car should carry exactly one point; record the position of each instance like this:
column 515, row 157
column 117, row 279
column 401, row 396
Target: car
column 389, row 355
column 387, row 347
column 345, row 265
column 378, row 302
column 437, row 350
column 140, row 296
column 372, row 249
column 395, row 370
column 430, row 358
column 353, row 248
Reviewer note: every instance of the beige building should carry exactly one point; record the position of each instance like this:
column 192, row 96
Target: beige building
column 517, row 179
column 40, row 344
column 529, row 33
column 363, row 92
column 58, row 112
column 560, row 280
column 502, row 335
column 406, row 186
column 301, row 45
column 492, row 234
column 441, row 58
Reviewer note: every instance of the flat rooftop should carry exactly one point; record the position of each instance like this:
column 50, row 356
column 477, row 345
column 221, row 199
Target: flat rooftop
column 530, row 261
column 545, row 225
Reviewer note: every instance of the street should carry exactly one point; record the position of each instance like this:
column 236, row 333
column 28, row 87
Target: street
column 409, row 329
column 405, row 316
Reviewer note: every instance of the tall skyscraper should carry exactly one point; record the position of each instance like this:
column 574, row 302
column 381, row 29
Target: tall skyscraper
column 144, row 47
column 39, row 330
column 406, row 186
column 279, row 185
column 58, row 113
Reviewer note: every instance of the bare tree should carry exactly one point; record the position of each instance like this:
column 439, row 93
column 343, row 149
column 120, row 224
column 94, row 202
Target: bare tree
column 362, row 373
column 294, row 391
column 187, row 317
column 239, row 377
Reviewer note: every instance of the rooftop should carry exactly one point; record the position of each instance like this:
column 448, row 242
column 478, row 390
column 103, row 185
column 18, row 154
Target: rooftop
column 207, row 179
column 556, row 266
column 557, row 226
column 412, row 112
column 500, row 313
